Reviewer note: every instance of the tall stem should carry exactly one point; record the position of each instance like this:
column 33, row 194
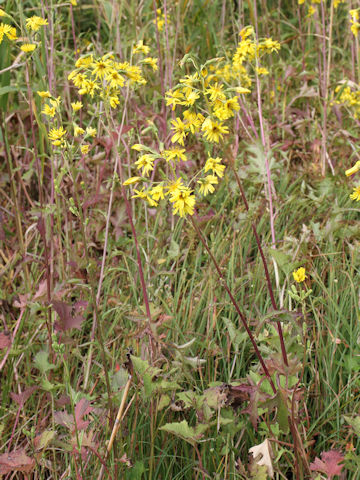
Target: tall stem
column 267, row 275
column 234, row 302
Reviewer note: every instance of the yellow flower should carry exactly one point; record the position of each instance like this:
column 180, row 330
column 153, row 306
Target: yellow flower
column 56, row 135
column 7, row 30
column 131, row 180
column 355, row 27
column 144, row 196
column 311, row 11
column 353, row 169
column 180, row 131
column 193, row 121
column 76, row 106
column 44, row 94
column 141, row 48
column 84, row 61
column 101, row 68
column 138, row 147
column 114, row 101
column 214, row 131
column 73, row 3
column 190, row 98
column 85, row 149
column 175, row 186
column 35, row 22
column 78, row 131
column 157, row 193
column 214, row 164
column 299, row 275
column 270, row 45
column 173, row 98
column 262, row 71
column 49, row 111
column 216, row 92
column 28, row 47
column 152, row 62
column 146, row 162
column 55, row 102
column 91, row 131
column 115, row 79
column 356, row 194
column 207, row 184
column 225, row 110
column 175, row 153
column 183, row 202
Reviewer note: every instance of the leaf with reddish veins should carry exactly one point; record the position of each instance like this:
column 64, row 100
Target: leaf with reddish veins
column 16, row 461
column 82, row 408
column 23, row 397
column 329, row 463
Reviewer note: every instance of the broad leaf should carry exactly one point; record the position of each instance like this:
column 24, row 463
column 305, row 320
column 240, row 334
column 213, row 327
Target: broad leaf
column 182, row 430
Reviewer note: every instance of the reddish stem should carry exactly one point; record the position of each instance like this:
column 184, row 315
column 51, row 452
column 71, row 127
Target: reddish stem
column 237, row 308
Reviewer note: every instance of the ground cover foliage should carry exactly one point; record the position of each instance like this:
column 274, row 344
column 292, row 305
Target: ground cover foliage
column 179, row 239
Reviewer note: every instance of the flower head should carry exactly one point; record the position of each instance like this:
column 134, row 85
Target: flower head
column 141, row 48
column 299, row 275
column 180, row 131
column 35, row 22
column 183, row 202
column 28, row 47
column 146, row 162
column 44, row 94
column 56, row 136
column 214, row 164
column 207, row 184
column 356, row 194
column 76, row 106
column 213, row 131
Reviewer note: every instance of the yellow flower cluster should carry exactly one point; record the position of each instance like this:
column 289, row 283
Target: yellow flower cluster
column 105, row 77
column 312, row 9
column 207, row 98
column 354, row 21
column 248, row 48
column 181, row 196
column 160, row 20
column 356, row 190
column 349, row 98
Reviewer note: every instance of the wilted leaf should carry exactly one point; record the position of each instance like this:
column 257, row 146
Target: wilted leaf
column 16, row 461
column 329, row 463
column 64, row 419
column 182, row 430
column 262, row 456
column 43, row 440
column 66, row 319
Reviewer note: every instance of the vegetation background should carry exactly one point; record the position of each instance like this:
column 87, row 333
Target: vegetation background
column 123, row 351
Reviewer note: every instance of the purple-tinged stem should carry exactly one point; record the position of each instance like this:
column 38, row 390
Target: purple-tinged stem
column 267, row 275
column 234, row 302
